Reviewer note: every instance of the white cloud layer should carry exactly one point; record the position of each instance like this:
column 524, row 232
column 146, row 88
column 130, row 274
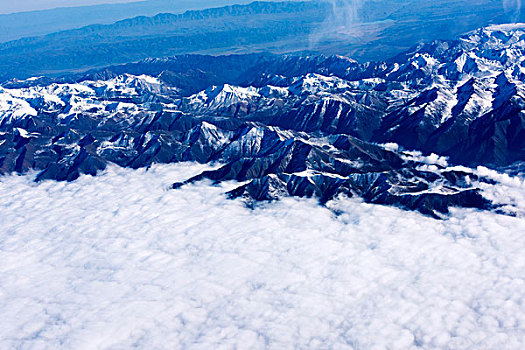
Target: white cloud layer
column 118, row 262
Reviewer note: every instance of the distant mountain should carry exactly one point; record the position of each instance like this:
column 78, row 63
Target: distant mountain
column 376, row 31
column 33, row 23
column 226, row 29
column 289, row 125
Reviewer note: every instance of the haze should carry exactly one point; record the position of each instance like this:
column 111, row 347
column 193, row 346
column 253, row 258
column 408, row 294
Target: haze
column 10, row 6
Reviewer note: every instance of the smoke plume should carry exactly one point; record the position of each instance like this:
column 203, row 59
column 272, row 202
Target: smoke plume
column 343, row 20
column 512, row 9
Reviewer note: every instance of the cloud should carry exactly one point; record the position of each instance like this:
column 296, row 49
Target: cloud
column 119, row 261
column 513, row 9
column 342, row 22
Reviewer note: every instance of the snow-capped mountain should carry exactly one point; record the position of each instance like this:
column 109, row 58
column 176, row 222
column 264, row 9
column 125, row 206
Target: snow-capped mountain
column 307, row 126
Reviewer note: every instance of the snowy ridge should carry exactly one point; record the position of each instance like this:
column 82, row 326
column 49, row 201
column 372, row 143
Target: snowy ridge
column 304, row 126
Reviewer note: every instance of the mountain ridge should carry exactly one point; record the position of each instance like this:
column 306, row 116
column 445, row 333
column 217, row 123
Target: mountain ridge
column 35, row 23
column 376, row 31
column 319, row 126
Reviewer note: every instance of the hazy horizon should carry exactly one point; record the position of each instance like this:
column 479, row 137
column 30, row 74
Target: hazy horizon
column 8, row 6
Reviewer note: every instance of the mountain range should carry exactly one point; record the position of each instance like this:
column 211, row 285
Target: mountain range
column 299, row 125
column 20, row 25
column 370, row 30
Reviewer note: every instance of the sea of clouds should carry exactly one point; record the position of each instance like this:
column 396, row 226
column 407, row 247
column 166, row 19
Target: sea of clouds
column 119, row 261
